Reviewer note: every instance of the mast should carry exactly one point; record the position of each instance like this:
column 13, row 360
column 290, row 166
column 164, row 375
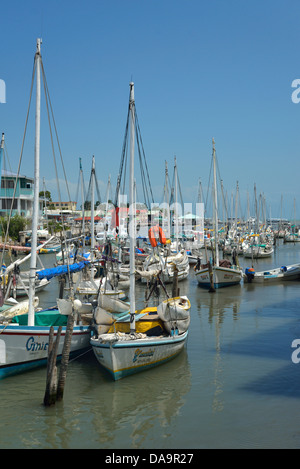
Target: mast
column 256, row 211
column 236, row 203
column 107, row 195
column 176, row 206
column 166, row 211
column 35, row 213
column 215, row 205
column 132, row 235
column 93, row 209
column 82, row 207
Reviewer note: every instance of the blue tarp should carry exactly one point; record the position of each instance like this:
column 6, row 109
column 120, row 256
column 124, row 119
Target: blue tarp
column 60, row 270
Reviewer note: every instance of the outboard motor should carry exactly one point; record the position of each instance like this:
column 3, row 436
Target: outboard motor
column 249, row 272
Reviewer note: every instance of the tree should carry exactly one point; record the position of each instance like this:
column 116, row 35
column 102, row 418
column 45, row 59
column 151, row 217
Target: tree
column 16, row 224
column 46, row 195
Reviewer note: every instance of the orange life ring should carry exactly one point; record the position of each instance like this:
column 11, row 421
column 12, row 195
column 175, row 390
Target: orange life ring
column 156, row 235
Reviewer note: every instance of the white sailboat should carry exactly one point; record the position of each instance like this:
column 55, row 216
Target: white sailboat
column 223, row 273
column 24, row 338
column 125, row 353
column 257, row 250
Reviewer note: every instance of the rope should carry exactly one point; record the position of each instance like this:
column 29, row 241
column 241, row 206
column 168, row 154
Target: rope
column 81, row 355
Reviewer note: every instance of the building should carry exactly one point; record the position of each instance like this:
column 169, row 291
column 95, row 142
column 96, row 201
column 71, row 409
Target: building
column 64, row 205
column 21, row 188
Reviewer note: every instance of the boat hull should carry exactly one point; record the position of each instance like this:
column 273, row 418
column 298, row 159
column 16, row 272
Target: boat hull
column 26, row 347
column 23, row 291
column 168, row 278
column 126, row 357
column 258, row 253
column 281, row 274
column 222, row 277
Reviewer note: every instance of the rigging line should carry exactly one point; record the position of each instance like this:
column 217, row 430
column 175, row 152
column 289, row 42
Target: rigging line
column 224, row 201
column 97, row 188
column 52, row 144
column 20, row 159
column 58, row 187
column 143, row 179
column 6, row 153
column 125, row 170
column 180, row 193
column 77, row 190
column 62, row 163
column 208, row 187
column 147, row 172
column 172, row 189
column 122, row 159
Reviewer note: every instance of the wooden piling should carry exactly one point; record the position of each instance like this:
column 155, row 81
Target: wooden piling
column 51, row 382
column 65, row 358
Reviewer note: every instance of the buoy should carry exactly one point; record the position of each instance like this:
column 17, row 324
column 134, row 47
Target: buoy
column 156, row 235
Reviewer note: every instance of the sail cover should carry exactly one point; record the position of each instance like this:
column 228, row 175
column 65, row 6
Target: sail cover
column 61, row 270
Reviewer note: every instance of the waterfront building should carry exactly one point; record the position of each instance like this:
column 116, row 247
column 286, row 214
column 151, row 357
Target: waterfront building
column 17, row 190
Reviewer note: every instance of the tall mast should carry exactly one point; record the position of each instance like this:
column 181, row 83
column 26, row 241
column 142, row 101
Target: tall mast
column 166, row 211
column 35, row 214
column 93, row 209
column 82, row 207
column 107, row 195
column 132, row 235
column 215, row 205
column 176, row 206
column 236, row 203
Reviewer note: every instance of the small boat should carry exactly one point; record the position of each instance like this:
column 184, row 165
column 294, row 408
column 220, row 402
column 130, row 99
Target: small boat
column 160, row 334
column 148, row 337
column 290, row 272
column 22, row 286
column 224, row 275
column 258, row 251
column 291, row 238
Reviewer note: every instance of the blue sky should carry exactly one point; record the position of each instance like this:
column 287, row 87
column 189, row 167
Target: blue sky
column 201, row 69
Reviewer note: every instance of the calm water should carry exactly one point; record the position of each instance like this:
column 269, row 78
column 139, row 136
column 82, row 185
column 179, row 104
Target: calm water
column 234, row 386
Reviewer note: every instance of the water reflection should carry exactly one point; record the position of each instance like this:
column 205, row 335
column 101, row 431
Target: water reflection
column 142, row 403
column 220, row 305
column 217, row 311
column 123, row 414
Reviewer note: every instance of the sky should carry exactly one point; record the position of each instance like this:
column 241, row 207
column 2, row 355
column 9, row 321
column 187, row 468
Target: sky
column 201, row 70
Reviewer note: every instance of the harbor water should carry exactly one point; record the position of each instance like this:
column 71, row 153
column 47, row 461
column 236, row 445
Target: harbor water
column 234, row 386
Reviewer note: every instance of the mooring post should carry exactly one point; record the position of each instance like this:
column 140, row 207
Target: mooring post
column 51, row 382
column 65, row 358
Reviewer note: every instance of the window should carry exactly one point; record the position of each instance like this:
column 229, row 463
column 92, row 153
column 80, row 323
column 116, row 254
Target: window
column 6, row 204
column 7, row 184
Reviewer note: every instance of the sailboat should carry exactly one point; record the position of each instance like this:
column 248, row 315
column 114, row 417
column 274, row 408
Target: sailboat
column 221, row 273
column 24, row 338
column 139, row 347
